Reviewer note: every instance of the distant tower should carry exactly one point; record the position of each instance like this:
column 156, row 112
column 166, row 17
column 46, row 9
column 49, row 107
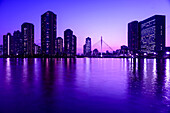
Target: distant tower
column 48, row 33
column 27, row 30
column 87, row 47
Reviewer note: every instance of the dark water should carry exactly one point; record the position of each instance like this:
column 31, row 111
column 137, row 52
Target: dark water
column 84, row 86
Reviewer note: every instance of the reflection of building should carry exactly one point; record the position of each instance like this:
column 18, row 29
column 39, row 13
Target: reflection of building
column 70, row 42
column 7, row 44
column 153, row 34
column 133, row 37
column 48, row 33
column 27, row 30
column 87, row 47
column 59, row 44
column 1, row 50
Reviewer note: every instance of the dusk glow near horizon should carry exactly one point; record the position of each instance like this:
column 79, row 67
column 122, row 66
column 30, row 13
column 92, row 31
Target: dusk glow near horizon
column 87, row 18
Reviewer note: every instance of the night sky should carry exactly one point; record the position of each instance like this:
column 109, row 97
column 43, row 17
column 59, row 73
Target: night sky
column 87, row 18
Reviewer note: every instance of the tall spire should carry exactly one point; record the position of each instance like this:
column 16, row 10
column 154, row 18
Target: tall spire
column 101, row 47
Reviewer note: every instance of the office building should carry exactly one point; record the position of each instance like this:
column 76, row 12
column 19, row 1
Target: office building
column 48, row 33
column 27, row 30
column 152, row 32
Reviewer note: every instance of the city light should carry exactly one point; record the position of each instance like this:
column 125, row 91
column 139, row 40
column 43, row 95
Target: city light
column 168, row 53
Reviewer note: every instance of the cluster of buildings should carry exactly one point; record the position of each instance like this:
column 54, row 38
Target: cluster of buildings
column 21, row 43
column 145, row 38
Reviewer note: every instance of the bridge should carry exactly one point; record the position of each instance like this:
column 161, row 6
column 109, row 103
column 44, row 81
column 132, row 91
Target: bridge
column 101, row 42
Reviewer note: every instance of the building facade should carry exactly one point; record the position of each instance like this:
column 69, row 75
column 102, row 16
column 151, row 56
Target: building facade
column 152, row 33
column 27, row 30
column 48, row 33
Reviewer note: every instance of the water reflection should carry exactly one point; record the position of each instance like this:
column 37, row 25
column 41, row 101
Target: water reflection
column 60, row 85
column 149, row 81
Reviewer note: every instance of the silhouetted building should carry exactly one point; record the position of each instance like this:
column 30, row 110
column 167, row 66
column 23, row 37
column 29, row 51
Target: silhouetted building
column 48, row 33
column 124, row 50
column 27, row 30
column 84, row 49
column 118, row 51
column 59, row 44
column 7, row 45
column 18, row 41
column 70, row 43
column 167, row 49
column 37, row 49
column 1, row 50
column 87, row 47
column 133, row 37
column 95, row 52
column 153, row 34
column 74, row 45
column 12, row 46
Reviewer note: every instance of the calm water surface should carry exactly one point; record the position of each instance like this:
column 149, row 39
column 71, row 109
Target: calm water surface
column 84, row 85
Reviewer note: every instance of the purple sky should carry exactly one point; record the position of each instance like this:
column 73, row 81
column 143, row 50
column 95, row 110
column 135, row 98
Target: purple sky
column 87, row 18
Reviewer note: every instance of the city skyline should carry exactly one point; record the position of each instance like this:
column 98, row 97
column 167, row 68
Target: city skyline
column 94, row 19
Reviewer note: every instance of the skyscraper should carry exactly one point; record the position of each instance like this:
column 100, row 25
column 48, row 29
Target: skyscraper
column 87, row 47
column 18, row 42
column 27, row 30
column 153, row 34
column 59, row 44
column 7, row 45
column 48, row 33
column 133, row 37
column 70, row 43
